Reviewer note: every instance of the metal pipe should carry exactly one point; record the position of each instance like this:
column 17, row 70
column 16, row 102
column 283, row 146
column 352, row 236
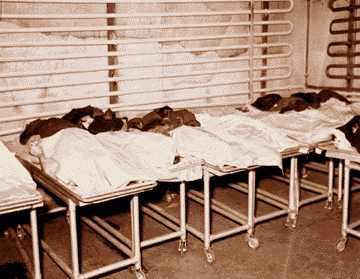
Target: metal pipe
column 50, row 252
column 67, row 43
column 74, row 241
column 111, row 229
column 263, row 195
column 219, row 207
column 139, row 1
column 156, row 214
column 130, row 27
column 35, row 244
column 345, row 209
column 108, row 236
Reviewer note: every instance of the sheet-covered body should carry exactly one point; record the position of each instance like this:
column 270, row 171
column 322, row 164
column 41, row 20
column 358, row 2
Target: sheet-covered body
column 95, row 164
column 258, row 138
column 312, row 125
column 16, row 183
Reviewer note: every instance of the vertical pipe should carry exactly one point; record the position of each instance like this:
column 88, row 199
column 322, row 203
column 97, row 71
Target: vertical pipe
column 183, row 211
column 74, row 241
column 264, row 40
column 345, row 212
column 35, row 243
column 308, row 8
column 112, row 60
column 340, row 181
column 293, row 191
column 135, row 225
column 207, row 217
column 251, row 202
column 351, row 46
column 331, row 180
column 251, row 53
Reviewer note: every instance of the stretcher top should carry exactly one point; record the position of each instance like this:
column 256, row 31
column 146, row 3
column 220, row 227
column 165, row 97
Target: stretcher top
column 66, row 194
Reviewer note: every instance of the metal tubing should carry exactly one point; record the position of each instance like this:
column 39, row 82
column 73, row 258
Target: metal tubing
column 313, row 199
column 251, row 202
column 263, row 195
column 219, row 207
column 183, row 211
column 111, row 230
column 331, row 180
column 135, row 224
column 93, row 42
column 108, row 268
column 207, row 216
column 353, row 232
column 133, row 27
column 130, row 15
column 112, row 238
column 229, row 232
column 35, row 244
column 293, row 191
column 340, row 181
column 50, row 252
column 159, row 239
column 158, row 214
column 123, row 54
column 271, row 215
column 354, row 224
column 284, row 10
column 345, row 210
column 74, row 241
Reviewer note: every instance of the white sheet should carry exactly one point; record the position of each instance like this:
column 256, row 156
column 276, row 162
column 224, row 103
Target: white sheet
column 309, row 126
column 237, row 148
column 257, row 138
column 15, row 182
column 90, row 164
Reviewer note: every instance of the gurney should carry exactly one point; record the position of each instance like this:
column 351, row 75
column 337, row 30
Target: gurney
column 74, row 201
column 18, row 193
column 349, row 160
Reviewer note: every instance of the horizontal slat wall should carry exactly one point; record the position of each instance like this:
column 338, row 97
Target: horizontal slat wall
column 182, row 53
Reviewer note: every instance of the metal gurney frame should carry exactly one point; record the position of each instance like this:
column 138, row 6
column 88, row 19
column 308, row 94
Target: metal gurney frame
column 177, row 225
column 247, row 223
column 73, row 200
column 351, row 162
column 31, row 203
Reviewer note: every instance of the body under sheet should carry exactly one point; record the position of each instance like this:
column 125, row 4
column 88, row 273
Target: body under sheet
column 94, row 164
column 16, row 183
column 258, row 138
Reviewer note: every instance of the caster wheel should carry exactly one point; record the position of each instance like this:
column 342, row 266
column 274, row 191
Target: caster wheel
column 253, row 242
column 329, row 204
column 291, row 223
column 210, row 256
column 341, row 244
column 182, row 247
column 140, row 274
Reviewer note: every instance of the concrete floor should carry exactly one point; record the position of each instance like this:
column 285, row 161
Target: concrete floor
column 308, row 251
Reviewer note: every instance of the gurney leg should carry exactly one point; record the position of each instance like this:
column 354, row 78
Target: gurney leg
column 293, row 194
column 210, row 256
column 35, row 244
column 340, row 246
column 340, row 183
column 329, row 202
column 182, row 243
column 74, row 241
column 250, row 238
column 135, row 230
